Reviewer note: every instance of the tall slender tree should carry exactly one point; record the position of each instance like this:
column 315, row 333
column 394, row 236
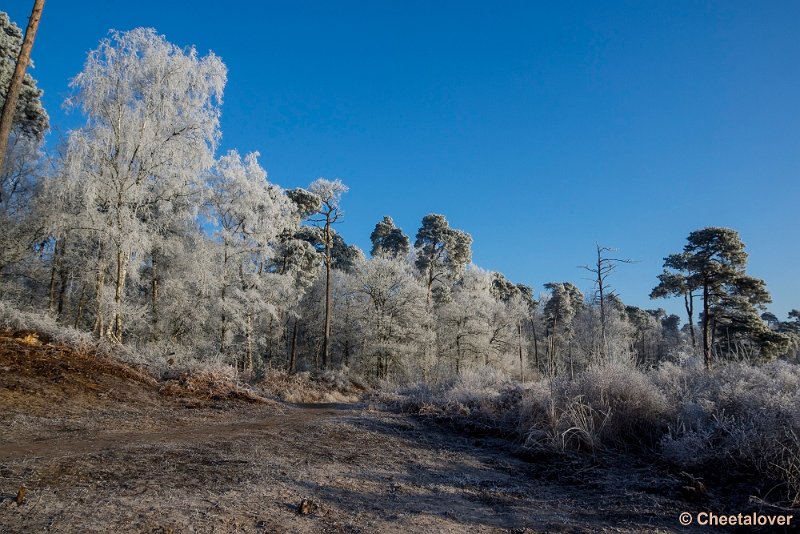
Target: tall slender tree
column 601, row 270
column 12, row 93
column 330, row 194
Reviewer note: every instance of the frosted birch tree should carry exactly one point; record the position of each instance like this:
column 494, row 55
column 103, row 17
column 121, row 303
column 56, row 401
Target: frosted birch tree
column 249, row 214
column 391, row 308
column 152, row 125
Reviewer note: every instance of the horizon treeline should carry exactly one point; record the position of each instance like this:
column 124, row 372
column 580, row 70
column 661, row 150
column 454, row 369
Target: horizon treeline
column 136, row 230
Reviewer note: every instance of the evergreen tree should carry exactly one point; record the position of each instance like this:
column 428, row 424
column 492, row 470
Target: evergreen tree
column 329, row 213
column 388, row 240
column 29, row 118
column 442, row 251
column 713, row 263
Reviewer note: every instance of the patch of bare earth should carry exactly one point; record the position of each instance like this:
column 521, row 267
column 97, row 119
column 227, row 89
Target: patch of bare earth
column 102, row 449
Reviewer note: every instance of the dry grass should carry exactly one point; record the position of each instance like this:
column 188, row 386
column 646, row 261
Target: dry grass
column 743, row 418
column 311, row 388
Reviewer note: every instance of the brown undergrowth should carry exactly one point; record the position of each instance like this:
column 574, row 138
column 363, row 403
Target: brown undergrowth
column 305, row 387
column 40, row 373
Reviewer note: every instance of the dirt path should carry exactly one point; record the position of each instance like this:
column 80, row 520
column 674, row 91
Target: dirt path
column 245, row 469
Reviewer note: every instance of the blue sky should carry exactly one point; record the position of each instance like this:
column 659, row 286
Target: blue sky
column 541, row 129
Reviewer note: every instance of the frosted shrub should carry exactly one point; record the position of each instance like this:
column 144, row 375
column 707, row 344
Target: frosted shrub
column 14, row 319
column 612, row 404
column 476, row 387
column 744, row 415
column 537, row 416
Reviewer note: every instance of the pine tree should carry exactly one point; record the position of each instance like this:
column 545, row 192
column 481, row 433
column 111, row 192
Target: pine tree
column 388, row 240
column 713, row 263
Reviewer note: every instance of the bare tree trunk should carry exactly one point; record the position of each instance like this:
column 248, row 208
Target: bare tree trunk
column 601, row 293
column 98, row 293
column 519, row 340
column 63, row 279
column 571, row 367
column 12, row 95
column 535, row 344
column 81, row 302
column 706, row 338
column 249, row 343
column 293, row 351
column 154, row 296
column 458, row 354
column 328, row 294
column 551, row 349
column 688, row 301
column 119, row 289
column 224, row 319
column 54, row 268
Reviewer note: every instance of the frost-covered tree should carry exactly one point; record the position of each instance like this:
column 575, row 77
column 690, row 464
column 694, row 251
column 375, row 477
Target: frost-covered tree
column 442, row 252
column 249, row 214
column 329, row 213
column 560, row 309
column 603, row 267
column 20, row 163
column 152, row 124
column 479, row 326
column 296, row 264
column 677, row 281
column 343, row 255
column 19, row 97
column 391, row 308
column 463, row 321
column 646, row 338
column 713, row 263
column 389, row 240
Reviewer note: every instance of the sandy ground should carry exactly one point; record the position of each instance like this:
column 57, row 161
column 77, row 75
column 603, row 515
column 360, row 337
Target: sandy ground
column 100, row 449
column 246, row 469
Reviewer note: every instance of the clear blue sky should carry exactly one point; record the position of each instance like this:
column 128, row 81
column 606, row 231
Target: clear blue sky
column 539, row 129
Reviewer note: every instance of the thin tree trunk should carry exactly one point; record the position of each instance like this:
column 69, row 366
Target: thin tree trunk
column 81, row 303
column 293, row 351
column 458, row 354
column 64, row 277
column 519, row 340
column 535, row 345
column 54, row 268
column 249, row 343
column 154, row 297
column 224, row 319
column 98, row 293
column 12, row 95
column 119, row 289
column 601, row 290
column 328, row 294
column 706, row 338
column 688, row 301
column 571, row 367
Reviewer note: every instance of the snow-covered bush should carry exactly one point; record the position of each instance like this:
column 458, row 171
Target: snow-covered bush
column 746, row 416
